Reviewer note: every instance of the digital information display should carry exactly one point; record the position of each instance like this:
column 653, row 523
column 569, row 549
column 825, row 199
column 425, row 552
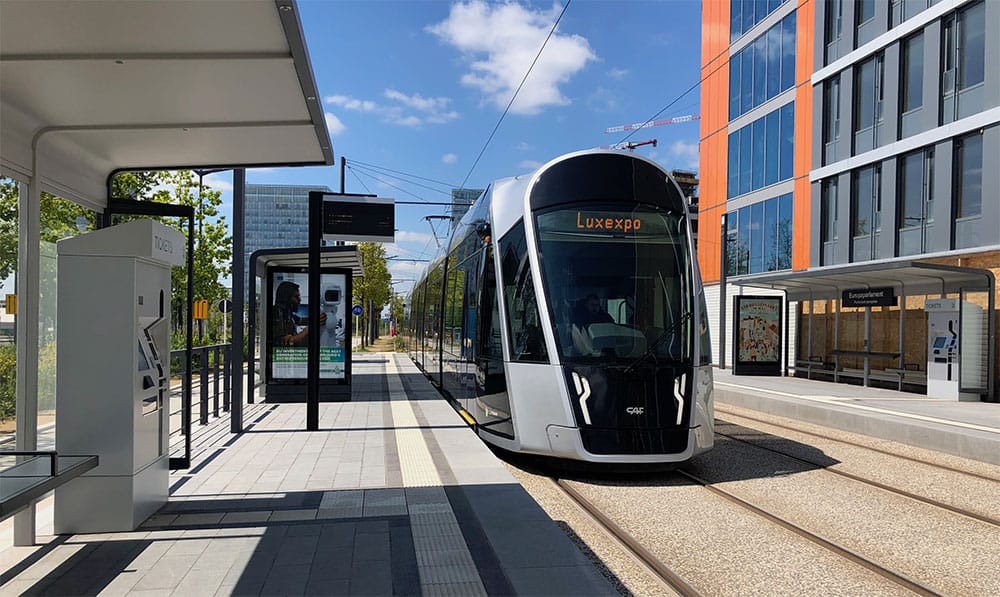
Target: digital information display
column 358, row 218
column 757, row 335
column 288, row 331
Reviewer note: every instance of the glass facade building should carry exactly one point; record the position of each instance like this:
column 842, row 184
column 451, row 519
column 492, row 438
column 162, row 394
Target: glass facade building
column 277, row 216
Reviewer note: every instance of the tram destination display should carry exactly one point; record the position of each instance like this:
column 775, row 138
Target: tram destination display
column 757, row 336
column 288, row 326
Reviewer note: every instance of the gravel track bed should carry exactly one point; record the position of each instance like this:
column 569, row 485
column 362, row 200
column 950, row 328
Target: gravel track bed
column 723, row 549
column 950, row 553
column 625, row 574
column 723, row 411
column 955, row 489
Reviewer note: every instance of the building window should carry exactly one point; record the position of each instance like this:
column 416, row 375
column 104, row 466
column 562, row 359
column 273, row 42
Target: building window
column 762, row 152
column 963, row 48
column 916, row 201
column 831, row 119
column 744, row 14
column 968, row 173
column 759, row 237
column 834, row 28
column 829, row 206
column 901, row 10
column 912, row 87
column 763, row 69
column 866, row 212
column 868, row 102
column 865, row 13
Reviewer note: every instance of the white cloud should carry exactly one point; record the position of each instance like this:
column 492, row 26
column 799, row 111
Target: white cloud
column 220, row 181
column 406, row 236
column 449, row 158
column 618, row 73
column 333, row 124
column 530, row 164
column 402, row 109
column 524, row 146
column 502, row 40
column 686, row 151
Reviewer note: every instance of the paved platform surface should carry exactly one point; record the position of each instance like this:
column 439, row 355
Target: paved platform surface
column 967, row 429
column 394, row 495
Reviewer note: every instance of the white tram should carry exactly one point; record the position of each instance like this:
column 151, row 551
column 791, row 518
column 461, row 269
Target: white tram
column 566, row 315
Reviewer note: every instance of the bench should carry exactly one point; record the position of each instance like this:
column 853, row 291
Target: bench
column 908, row 374
column 24, row 482
column 811, row 363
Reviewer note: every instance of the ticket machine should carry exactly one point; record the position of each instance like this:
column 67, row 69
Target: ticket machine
column 113, row 390
column 948, row 368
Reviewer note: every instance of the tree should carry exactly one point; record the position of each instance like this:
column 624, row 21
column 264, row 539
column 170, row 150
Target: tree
column 372, row 289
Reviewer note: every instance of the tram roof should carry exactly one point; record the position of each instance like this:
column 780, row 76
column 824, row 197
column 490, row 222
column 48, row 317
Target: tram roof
column 115, row 85
column 344, row 256
column 910, row 277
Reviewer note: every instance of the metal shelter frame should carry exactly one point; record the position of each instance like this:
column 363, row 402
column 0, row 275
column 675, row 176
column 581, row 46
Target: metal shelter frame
column 95, row 95
column 912, row 278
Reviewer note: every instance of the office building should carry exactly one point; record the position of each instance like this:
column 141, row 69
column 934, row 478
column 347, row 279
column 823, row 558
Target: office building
column 461, row 199
column 856, row 138
column 277, row 216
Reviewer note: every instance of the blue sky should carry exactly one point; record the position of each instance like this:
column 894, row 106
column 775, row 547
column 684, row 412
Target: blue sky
column 417, row 87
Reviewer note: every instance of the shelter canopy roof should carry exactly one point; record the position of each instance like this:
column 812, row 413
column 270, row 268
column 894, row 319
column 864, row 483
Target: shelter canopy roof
column 344, row 256
column 909, row 277
column 107, row 85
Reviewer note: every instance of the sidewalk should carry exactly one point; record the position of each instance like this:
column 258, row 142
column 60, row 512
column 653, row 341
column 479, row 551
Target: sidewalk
column 394, row 495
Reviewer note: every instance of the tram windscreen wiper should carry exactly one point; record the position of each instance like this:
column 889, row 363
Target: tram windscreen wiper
column 664, row 336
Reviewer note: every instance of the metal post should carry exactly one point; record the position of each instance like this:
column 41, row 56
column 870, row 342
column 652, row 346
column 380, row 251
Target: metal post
column 723, row 271
column 836, row 342
column 343, row 168
column 868, row 341
column 203, row 384
column 787, row 325
column 312, row 339
column 239, row 289
column 227, row 356
column 902, row 333
column 215, row 382
column 26, row 391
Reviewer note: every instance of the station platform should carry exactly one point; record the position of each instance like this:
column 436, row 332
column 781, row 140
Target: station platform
column 394, row 495
column 965, row 429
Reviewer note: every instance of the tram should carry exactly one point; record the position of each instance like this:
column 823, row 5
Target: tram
column 566, row 317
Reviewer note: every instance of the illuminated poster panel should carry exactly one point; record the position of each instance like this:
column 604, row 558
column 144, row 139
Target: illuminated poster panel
column 757, row 336
column 288, row 329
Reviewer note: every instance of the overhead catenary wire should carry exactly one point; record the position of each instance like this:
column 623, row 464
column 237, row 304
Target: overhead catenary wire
column 377, row 167
column 377, row 176
column 518, row 90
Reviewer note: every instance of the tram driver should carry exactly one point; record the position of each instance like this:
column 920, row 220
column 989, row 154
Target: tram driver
column 588, row 311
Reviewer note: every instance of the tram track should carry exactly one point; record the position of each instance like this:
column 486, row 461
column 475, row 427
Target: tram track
column 827, row 544
column 655, row 568
column 943, row 467
column 877, row 484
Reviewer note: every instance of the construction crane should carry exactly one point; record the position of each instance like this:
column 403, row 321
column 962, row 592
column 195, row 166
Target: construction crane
column 645, row 125
column 630, row 145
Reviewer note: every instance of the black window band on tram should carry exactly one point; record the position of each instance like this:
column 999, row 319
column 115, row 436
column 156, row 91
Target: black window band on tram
column 605, row 177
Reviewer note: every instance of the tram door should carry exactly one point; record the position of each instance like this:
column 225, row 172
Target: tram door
column 493, row 406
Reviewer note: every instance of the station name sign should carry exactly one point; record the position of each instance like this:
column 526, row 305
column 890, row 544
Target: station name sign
column 869, row 297
column 362, row 218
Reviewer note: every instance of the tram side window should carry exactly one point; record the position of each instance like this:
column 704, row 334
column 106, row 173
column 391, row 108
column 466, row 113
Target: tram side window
column 489, row 343
column 523, row 323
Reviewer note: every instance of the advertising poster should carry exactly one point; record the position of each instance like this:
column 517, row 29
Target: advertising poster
column 289, row 331
column 757, row 335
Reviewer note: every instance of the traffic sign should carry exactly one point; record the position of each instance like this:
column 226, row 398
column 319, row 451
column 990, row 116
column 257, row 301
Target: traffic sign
column 358, row 310
column 226, row 306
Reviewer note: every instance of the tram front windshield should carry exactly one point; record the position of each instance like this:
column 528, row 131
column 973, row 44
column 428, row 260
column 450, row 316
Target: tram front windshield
column 618, row 282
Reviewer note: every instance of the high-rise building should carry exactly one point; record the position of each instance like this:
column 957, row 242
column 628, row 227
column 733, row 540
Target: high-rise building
column 461, row 199
column 277, row 216
column 857, row 139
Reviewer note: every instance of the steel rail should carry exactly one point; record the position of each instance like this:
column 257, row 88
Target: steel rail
column 871, row 482
column 841, row 441
column 840, row 550
column 656, row 568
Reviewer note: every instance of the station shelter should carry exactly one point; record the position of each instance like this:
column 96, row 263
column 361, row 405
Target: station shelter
column 89, row 90
column 906, row 325
column 279, row 372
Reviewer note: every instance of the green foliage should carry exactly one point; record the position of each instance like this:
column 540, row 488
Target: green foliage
column 399, row 344
column 8, row 229
column 374, row 285
column 8, row 383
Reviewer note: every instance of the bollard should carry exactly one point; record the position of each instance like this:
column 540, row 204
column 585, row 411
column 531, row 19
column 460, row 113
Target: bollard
column 227, row 357
column 203, row 382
